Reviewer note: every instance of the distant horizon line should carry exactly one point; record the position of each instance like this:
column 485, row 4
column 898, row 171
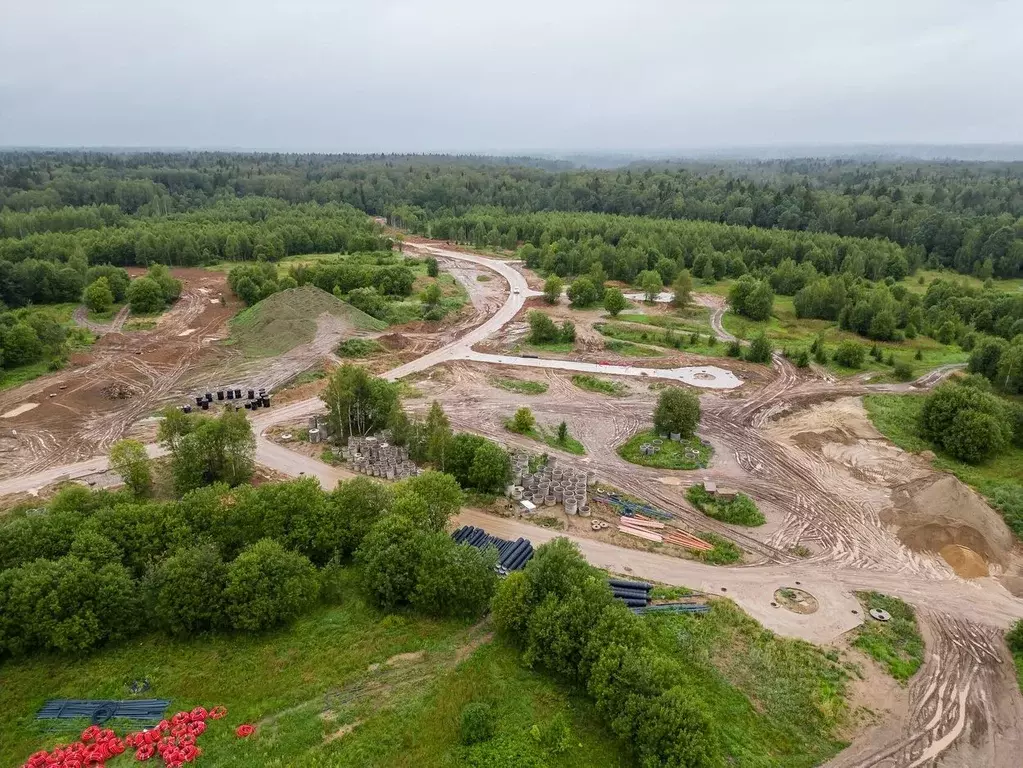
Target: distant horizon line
column 786, row 151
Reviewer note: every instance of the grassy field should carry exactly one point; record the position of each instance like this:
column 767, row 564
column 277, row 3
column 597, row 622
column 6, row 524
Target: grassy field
column 790, row 332
column 78, row 339
column 738, row 511
column 1000, row 479
column 896, row 644
column 599, row 386
column 520, row 386
column 693, row 318
column 775, row 702
column 543, row 434
column 724, row 552
column 628, row 349
column 359, row 348
column 633, row 332
column 286, row 319
column 305, row 686
column 671, row 456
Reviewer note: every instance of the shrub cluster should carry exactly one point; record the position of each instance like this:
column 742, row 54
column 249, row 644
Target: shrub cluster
column 96, row 567
column 967, row 422
column 560, row 611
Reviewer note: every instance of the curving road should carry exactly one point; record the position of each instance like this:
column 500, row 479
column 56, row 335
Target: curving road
column 964, row 698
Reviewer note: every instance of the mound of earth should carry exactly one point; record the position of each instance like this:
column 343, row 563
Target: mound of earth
column 287, row 319
column 394, row 341
column 942, row 515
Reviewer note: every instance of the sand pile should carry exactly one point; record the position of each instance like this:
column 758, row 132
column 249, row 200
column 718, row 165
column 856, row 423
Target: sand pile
column 940, row 514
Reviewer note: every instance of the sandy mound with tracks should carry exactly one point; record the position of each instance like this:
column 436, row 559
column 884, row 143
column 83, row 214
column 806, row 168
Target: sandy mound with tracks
column 942, row 515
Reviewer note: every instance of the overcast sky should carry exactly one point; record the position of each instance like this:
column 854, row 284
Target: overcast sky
column 518, row 75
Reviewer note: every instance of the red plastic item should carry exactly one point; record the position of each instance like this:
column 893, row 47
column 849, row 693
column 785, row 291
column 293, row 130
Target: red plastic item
column 244, row 730
column 173, row 740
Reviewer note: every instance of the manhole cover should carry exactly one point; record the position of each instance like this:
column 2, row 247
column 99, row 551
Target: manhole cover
column 877, row 613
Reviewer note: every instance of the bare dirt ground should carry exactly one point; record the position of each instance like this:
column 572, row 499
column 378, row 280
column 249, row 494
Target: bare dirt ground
column 964, row 708
column 123, row 378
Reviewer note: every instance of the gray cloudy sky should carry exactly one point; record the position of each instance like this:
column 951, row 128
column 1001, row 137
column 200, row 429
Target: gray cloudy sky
column 473, row 75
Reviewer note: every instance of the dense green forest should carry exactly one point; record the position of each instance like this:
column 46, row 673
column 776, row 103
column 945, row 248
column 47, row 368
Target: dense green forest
column 964, row 216
column 841, row 237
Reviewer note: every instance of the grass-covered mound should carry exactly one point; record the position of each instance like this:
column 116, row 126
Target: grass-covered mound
column 672, row 455
column 287, row 319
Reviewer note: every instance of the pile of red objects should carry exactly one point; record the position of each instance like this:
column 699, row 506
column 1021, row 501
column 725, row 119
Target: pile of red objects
column 173, row 740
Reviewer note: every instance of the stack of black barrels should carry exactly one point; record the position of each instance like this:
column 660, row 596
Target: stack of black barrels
column 255, row 400
column 511, row 555
column 635, row 594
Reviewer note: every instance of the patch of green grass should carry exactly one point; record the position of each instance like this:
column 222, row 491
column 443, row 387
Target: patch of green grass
column 561, row 347
column 286, row 319
column 912, row 282
column 667, row 338
column 692, row 318
column 774, row 701
column 671, row 455
column 139, row 324
column 544, row 435
column 599, row 386
column 307, row 377
column 724, row 552
column 359, row 348
column 670, row 593
column 483, row 278
column 999, row 479
column 628, row 349
column 741, row 510
column 303, row 684
column 103, row 317
column 520, row 386
column 895, row 644
column 791, row 333
column 15, row 377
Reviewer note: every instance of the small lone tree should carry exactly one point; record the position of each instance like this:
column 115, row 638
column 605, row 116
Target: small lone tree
column 562, row 432
column 614, row 301
column 682, row 289
column 129, row 459
column 651, row 283
column 759, row 350
column 677, row 411
column 523, row 421
column 98, row 297
column 552, row 289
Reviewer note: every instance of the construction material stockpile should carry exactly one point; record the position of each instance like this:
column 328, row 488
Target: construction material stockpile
column 635, row 594
column 376, row 458
column 511, row 555
column 551, row 484
column 646, row 522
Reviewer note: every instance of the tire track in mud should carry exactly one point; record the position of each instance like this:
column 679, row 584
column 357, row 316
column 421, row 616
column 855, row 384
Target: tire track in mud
column 964, row 707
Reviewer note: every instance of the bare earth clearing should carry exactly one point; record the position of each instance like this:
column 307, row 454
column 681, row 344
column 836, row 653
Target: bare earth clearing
column 871, row 516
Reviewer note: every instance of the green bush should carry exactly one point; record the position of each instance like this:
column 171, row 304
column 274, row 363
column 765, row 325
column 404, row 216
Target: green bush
column 677, row 411
column 1015, row 638
column 967, row 423
column 850, row 354
column 739, row 511
column 268, row 586
column 477, row 723
column 759, row 350
column 186, row 591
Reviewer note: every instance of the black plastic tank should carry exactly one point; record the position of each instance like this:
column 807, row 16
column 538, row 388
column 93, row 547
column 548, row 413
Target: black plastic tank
column 252, row 394
column 220, row 394
column 205, row 405
column 230, row 394
column 266, row 401
column 237, row 394
column 198, row 400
